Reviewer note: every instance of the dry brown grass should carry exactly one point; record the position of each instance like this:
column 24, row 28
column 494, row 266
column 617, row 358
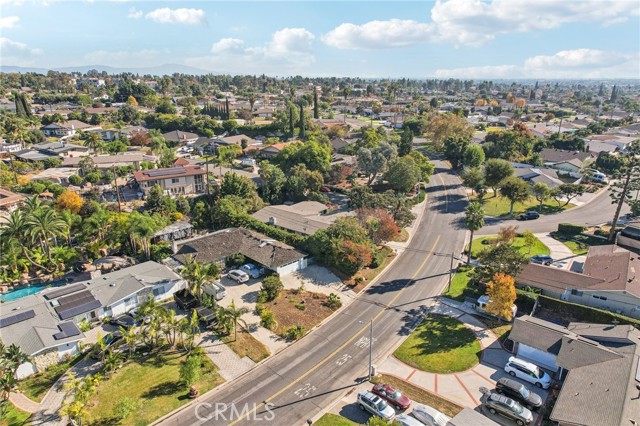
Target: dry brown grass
column 287, row 312
column 247, row 345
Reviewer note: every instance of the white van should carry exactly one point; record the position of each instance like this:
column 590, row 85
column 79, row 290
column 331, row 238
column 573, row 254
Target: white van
column 215, row 289
column 528, row 372
column 483, row 301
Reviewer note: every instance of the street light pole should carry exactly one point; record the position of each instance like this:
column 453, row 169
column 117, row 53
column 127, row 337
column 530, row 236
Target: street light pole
column 450, row 273
column 370, row 348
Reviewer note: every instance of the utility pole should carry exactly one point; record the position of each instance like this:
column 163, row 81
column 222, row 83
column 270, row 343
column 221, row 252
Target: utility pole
column 450, row 274
column 370, row 348
column 115, row 181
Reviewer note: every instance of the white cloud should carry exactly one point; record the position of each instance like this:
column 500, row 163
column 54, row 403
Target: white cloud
column 124, row 58
column 135, row 13
column 475, row 22
column 228, row 45
column 8, row 21
column 578, row 63
column 290, row 50
column 177, row 16
column 17, row 53
column 378, row 34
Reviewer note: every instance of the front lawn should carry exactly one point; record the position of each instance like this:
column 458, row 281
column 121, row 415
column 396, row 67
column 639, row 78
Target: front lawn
column 334, row 420
column 420, row 395
column 246, row 345
column 298, row 308
column 153, row 382
column 37, row 385
column 440, row 344
column 579, row 244
column 499, row 206
column 482, row 243
column 15, row 417
column 460, row 286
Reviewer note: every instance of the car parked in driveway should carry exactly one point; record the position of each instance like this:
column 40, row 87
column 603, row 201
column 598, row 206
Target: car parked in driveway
column 529, row 215
column 375, row 405
column 252, row 270
column 429, row 415
column 215, row 289
column 519, row 392
column 109, row 340
column 505, row 407
column 392, row 396
column 406, row 420
column 238, row 276
column 541, row 259
column 528, row 372
column 124, row 320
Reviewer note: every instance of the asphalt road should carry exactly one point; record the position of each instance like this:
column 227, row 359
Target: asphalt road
column 596, row 212
column 307, row 377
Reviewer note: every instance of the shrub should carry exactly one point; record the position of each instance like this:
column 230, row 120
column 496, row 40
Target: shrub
column 260, row 308
column 76, row 180
column 378, row 258
column 300, row 305
column 235, row 260
column 84, row 325
column 125, row 407
column 569, row 228
column 271, row 288
column 333, row 301
column 294, row 333
column 267, row 320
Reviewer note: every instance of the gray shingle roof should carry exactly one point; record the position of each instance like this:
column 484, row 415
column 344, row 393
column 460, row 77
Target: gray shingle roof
column 537, row 333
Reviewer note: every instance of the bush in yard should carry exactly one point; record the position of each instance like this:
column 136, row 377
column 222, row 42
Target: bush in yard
column 294, row 332
column 271, row 288
column 267, row 320
column 125, row 407
column 333, row 301
column 235, row 260
column 570, row 228
column 260, row 308
column 190, row 371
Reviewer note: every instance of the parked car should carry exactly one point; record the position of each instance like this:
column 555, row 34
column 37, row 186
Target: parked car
column 541, row 259
column 392, row 396
column 406, row 420
column 215, row 289
column 519, row 392
column 109, row 340
column 124, row 320
column 375, row 405
column 238, row 276
column 529, row 215
column 252, row 270
column 429, row 415
column 528, row 372
column 506, row 407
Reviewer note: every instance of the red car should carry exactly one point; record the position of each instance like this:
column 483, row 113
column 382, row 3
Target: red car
column 392, row 396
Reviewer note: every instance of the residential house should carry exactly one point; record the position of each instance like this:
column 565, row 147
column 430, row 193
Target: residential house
column 59, row 175
column 61, row 149
column 181, row 180
column 609, row 281
column 569, row 161
column 67, row 128
column 218, row 246
column 176, row 231
column 10, row 147
column 180, row 137
column 219, row 172
column 598, row 362
column 130, row 158
column 266, row 112
column 10, row 201
column 44, row 325
column 271, row 151
column 304, row 218
column 535, row 175
column 235, row 140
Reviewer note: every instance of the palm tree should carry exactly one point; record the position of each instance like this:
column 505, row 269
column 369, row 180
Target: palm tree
column 44, row 224
column 93, row 142
column 234, row 313
column 198, row 274
column 191, row 329
column 129, row 338
column 112, row 361
column 100, row 347
column 171, row 326
column 70, row 219
column 32, row 204
column 141, row 229
column 15, row 229
column 474, row 219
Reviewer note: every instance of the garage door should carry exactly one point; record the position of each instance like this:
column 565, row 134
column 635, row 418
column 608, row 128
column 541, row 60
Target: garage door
column 538, row 357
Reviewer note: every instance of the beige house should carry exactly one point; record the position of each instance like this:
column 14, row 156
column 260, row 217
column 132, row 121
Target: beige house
column 609, row 281
column 183, row 180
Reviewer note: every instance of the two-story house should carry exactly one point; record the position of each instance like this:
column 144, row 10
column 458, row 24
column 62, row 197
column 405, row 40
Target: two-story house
column 181, row 180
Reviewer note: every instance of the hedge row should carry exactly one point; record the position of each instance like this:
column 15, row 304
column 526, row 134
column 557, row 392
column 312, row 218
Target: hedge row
column 583, row 313
column 570, row 228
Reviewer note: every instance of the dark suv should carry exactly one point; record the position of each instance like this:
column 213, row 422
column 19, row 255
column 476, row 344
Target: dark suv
column 519, row 392
column 529, row 216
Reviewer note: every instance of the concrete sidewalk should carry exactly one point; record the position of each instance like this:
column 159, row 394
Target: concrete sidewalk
column 461, row 388
column 562, row 255
column 23, row 403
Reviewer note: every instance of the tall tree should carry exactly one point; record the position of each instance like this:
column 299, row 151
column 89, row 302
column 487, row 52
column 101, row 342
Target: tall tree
column 316, row 115
column 541, row 192
column 515, row 190
column 495, row 171
column 406, row 142
column 502, row 294
column 473, row 156
column 474, row 220
column 625, row 177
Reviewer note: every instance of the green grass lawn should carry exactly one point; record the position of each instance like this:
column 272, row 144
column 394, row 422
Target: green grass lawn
column 578, row 244
column 499, row 206
column 37, row 385
column 538, row 248
column 334, row 420
column 440, row 344
column 15, row 417
column 154, row 382
column 460, row 286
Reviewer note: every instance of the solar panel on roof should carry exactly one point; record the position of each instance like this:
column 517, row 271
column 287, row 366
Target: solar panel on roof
column 63, row 291
column 165, row 172
column 75, row 299
column 14, row 319
column 81, row 309
column 67, row 329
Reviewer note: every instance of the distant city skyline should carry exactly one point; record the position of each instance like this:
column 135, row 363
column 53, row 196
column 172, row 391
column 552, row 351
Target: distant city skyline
column 517, row 39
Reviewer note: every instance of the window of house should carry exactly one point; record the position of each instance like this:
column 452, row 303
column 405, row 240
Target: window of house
column 158, row 291
column 575, row 292
column 595, row 296
column 129, row 302
column 175, row 180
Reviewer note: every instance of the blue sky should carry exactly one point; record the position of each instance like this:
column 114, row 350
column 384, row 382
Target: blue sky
column 444, row 38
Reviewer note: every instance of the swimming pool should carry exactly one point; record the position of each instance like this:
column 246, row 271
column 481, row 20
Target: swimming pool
column 28, row 291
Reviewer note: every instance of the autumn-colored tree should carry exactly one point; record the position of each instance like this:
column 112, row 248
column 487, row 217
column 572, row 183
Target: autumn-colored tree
column 502, row 293
column 378, row 223
column 140, row 139
column 494, row 103
column 70, row 200
column 352, row 257
column 481, row 102
column 132, row 101
column 507, row 234
column 510, row 98
column 521, row 103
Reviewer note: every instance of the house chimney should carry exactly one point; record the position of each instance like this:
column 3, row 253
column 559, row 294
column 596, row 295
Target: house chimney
column 174, row 246
column 272, row 220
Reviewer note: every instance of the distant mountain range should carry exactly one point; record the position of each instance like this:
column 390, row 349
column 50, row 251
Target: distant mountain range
column 166, row 69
